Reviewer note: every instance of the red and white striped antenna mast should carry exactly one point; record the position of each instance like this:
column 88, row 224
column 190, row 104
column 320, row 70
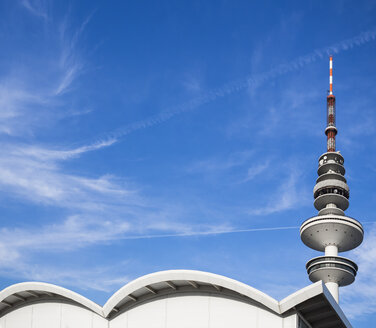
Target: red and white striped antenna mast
column 331, row 75
column 331, row 130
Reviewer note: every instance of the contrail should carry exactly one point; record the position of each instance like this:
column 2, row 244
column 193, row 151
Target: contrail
column 215, row 232
column 246, row 82
column 208, row 233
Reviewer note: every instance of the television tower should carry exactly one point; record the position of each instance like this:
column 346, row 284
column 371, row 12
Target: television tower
column 331, row 231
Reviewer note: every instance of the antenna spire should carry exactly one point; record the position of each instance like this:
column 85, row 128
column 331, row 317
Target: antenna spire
column 331, row 75
column 331, row 130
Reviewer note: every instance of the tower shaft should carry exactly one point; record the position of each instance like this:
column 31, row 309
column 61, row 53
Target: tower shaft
column 334, row 290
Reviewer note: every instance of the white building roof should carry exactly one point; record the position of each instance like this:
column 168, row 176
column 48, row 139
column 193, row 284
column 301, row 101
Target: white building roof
column 26, row 292
column 314, row 303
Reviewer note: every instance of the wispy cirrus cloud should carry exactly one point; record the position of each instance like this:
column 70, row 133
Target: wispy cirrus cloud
column 287, row 196
column 34, row 173
column 96, row 211
column 241, row 164
column 256, row 170
column 18, row 245
column 100, row 277
column 91, row 210
column 104, row 278
column 17, row 101
column 359, row 299
column 44, row 154
column 36, row 7
column 28, row 102
column 234, row 159
column 70, row 63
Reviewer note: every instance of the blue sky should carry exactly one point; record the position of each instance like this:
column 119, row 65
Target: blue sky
column 139, row 136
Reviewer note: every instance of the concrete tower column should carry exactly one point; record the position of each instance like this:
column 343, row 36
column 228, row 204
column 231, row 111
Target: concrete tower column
column 331, row 250
column 334, row 290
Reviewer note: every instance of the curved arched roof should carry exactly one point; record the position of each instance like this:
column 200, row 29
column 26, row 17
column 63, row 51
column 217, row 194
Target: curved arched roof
column 31, row 291
column 173, row 282
column 175, row 279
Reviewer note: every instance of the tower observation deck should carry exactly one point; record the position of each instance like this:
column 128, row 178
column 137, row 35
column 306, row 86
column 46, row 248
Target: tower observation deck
column 331, row 231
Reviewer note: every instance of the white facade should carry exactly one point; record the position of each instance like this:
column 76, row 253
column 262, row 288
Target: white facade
column 172, row 312
column 168, row 299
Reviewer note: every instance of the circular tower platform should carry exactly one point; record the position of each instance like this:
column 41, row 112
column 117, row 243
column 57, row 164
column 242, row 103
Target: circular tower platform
column 320, row 231
column 339, row 270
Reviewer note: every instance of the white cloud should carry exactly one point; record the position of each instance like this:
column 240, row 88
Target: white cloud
column 74, row 232
column 360, row 298
column 91, row 209
column 16, row 103
column 43, row 154
column 36, row 7
column 256, row 170
column 100, row 210
column 27, row 102
column 220, row 164
column 35, row 174
column 70, row 63
column 20, row 247
column 101, row 278
column 286, row 197
column 192, row 83
column 106, row 278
